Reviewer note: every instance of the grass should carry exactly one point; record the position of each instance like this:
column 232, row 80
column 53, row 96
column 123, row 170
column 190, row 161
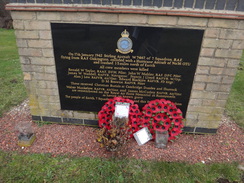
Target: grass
column 12, row 90
column 235, row 103
column 45, row 168
column 16, row 167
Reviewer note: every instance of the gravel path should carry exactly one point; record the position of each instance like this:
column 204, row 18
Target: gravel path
column 226, row 145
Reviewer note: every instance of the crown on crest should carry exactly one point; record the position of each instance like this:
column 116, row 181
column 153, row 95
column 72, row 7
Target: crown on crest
column 125, row 33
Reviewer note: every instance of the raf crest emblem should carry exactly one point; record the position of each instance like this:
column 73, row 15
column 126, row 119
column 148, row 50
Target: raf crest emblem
column 124, row 43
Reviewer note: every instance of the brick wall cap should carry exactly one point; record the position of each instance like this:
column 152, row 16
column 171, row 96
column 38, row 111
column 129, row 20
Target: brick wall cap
column 128, row 10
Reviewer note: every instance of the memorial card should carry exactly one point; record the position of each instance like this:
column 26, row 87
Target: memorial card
column 142, row 136
column 122, row 110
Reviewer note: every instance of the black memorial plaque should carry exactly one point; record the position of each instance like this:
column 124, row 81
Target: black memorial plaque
column 148, row 63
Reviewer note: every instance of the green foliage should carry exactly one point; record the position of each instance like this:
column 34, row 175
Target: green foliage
column 235, row 103
column 45, row 168
column 11, row 79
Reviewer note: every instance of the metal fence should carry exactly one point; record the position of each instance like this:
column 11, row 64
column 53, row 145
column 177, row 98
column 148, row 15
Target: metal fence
column 228, row 5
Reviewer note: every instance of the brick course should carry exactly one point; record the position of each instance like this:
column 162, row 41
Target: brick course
column 198, row 22
column 226, row 53
column 132, row 19
column 24, row 34
column 162, row 20
column 222, row 23
column 103, row 17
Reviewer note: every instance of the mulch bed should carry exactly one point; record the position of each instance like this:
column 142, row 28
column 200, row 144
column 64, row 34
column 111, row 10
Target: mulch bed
column 227, row 145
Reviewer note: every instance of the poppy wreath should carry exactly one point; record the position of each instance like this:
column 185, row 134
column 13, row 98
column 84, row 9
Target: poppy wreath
column 105, row 115
column 161, row 114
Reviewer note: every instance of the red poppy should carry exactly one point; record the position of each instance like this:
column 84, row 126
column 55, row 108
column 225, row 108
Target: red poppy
column 181, row 125
column 145, row 119
column 167, row 123
column 175, row 132
column 161, row 117
column 148, row 112
column 108, row 126
column 179, row 111
column 121, row 99
column 156, row 101
column 109, row 118
column 134, row 107
column 106, row 108
column 102, row 116
column 129, row 101
column 111, row 102
column 171, row 138
column 116, row 99
column 111, row 108
column 162, row 101
column 151, row 129
column 134, row 121
column 160, row 128
column 171, row 110
column 165, row 127
column 103, row 124
column 101, row 113
column 153, row 133
column 151, row 104
column 177, row 128
column 177, row 121
column 154, row 109
column 157, row 126
column 145, row 124
column 137, row 112
column 145, row 107
column 155, row 121
column 134, row 117
column 103, row 109
column 175, row 114
column 134, row 128
column 165, row 108
column 172, row 104
column 159, row 107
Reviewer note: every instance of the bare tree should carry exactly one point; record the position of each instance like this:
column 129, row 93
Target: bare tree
column 5, row 16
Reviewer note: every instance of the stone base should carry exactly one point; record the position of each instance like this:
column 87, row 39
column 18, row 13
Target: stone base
column 28, row 142
column 94, row 123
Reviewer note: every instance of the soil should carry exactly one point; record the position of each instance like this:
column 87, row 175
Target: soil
column 227, row 145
